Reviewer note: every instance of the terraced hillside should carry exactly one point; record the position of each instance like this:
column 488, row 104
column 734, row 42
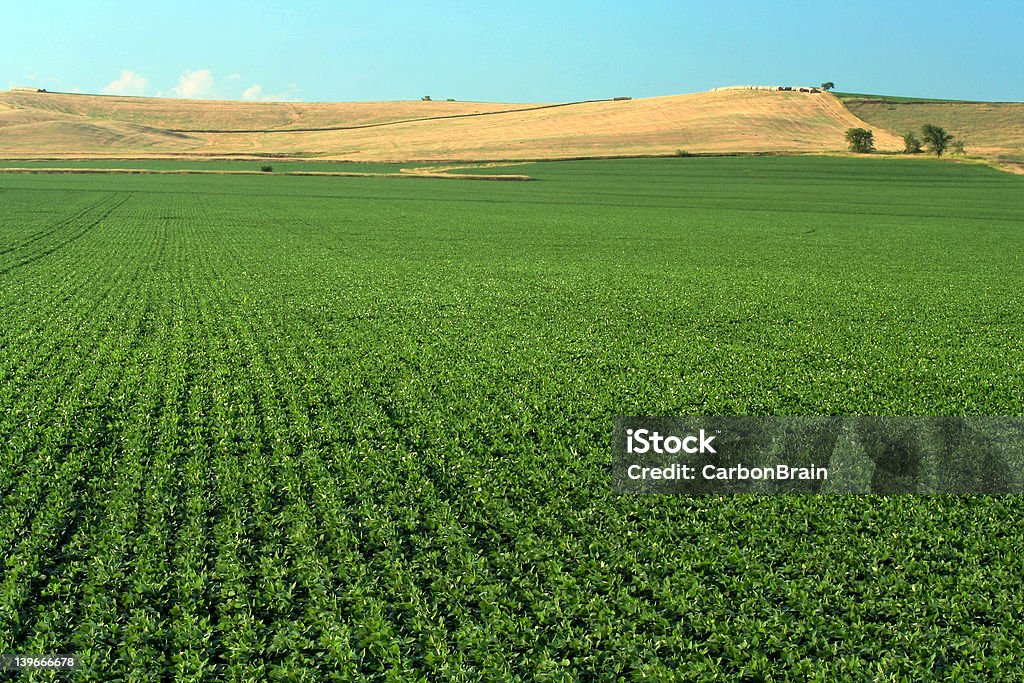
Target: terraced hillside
column 55, row 125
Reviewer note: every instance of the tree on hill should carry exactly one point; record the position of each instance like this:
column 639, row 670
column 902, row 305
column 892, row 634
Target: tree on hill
column 827, row 85
column 936, row 138
column 911, row 144
column 861, row 140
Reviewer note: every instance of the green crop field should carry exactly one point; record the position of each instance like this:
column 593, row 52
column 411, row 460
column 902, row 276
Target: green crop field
column 204, row 165
column 312, row 429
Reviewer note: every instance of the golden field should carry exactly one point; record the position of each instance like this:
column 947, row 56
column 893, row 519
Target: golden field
column 56, row 125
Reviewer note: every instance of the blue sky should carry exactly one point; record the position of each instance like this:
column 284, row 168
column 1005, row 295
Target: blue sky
column 522, row 51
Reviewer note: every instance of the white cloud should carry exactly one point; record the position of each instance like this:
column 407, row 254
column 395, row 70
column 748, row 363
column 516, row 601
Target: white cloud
column 130, row 83
column 194, row 85
column 254, row 93
column 202, row 85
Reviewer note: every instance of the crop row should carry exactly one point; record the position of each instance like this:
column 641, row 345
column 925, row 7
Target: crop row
column 302, row 429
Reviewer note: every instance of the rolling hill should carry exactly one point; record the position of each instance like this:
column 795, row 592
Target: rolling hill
column 58, row 125
column 990, row 129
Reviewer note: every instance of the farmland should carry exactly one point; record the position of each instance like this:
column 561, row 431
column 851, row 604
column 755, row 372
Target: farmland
column 991, row 129
column 284, row 428
column 60, row 125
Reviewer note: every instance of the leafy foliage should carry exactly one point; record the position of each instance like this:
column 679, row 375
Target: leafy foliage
column 322, row 429
column 860, row 140
column 911, row 143
column 937, row 139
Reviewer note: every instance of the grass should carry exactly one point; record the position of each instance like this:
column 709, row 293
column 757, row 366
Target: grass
column 235, row 167
column 991, row 129
column 267, row 427
column 893, row 98
column 200, row 164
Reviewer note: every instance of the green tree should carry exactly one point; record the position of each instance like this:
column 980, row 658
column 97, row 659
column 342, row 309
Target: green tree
column 861, row 140
column 827, row 85
column 911, row 143
column 936, row 138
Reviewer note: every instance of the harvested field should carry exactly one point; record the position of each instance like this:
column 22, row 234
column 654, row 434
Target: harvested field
column 180, row 114
column 54, row 125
